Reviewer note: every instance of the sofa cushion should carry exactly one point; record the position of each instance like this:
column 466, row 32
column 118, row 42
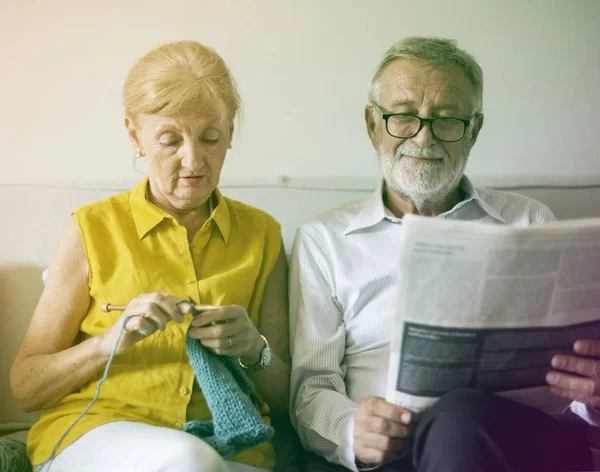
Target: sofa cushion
column 38, row 214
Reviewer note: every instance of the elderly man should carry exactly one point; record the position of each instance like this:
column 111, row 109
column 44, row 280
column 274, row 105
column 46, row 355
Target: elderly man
column 424, row 117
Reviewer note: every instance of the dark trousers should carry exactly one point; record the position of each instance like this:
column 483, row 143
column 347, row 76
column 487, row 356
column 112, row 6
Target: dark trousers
column 475, row 431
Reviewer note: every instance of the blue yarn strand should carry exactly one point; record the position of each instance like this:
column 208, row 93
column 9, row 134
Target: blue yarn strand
column 226, row 389
column 87, row 408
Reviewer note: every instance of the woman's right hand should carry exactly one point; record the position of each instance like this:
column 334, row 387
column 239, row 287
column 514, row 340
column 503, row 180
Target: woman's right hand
column 150, row 312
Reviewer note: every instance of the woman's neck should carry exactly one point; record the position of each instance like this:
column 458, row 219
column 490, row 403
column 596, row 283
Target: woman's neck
column 191, row 219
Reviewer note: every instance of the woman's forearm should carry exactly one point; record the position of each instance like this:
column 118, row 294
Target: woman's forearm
column 273, row 384
column 42, row 380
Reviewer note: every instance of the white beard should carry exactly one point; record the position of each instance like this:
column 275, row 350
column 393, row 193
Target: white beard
column 422, row 181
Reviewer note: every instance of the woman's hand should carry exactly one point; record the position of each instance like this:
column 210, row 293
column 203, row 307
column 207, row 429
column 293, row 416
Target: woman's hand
column 228, row 331
column 150, row 312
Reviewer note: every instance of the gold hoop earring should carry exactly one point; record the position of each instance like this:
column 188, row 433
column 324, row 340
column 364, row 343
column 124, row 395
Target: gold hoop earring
column 140, row 153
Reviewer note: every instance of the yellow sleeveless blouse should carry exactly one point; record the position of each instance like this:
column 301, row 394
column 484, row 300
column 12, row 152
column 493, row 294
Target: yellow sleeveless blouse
column 133, row 247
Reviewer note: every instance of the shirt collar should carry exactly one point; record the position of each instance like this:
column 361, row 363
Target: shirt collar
column 147, row 215
column 471, row 194
column 221, row 215
column 373, row 210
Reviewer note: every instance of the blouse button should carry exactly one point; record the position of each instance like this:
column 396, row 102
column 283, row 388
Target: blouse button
column 183, row 391
column 178, row 425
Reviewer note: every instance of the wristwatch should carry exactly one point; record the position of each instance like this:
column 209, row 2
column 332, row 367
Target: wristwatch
column 264, row 361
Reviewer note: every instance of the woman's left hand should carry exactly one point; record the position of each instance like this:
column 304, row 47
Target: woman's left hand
column 228, row 331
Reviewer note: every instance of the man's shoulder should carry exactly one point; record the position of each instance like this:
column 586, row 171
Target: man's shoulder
column 515, row 207
column 334, row 220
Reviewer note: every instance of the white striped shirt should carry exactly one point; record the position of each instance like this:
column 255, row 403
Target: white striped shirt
column 343, row 275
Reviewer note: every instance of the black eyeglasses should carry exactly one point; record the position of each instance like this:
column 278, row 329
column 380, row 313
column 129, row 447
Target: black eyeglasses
column 406, row 125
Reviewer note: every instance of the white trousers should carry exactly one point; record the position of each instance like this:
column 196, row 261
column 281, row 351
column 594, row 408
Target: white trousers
column 126, row 446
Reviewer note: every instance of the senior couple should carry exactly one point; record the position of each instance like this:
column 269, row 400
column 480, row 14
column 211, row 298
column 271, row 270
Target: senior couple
column 176, row 237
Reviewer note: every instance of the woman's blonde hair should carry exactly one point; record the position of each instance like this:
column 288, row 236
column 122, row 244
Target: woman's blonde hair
column 184, row 77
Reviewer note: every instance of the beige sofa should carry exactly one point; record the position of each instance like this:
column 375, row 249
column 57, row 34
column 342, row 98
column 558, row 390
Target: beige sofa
column 37, row 214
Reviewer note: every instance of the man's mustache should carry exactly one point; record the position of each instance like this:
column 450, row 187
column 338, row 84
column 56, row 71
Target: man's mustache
column 433, row 153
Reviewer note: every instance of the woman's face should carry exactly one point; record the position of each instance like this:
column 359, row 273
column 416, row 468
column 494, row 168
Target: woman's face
column 185, row 156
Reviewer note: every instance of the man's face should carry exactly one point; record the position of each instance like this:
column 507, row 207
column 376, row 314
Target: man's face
column 422, row 167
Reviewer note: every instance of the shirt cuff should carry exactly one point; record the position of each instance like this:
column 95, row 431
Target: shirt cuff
column 347, row 450
column 586, row 412
column 347, row 447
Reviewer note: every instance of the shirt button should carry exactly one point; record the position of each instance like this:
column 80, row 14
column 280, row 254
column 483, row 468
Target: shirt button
column 196, row 250
column 183, row 391
column 178, row 425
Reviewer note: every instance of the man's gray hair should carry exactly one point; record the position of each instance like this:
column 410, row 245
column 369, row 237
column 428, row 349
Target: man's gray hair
column 440, row 53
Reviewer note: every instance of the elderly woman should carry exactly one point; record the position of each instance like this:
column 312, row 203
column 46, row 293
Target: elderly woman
column 172, row 237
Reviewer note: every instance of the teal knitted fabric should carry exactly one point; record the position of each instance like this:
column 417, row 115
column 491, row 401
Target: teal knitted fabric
column 236, row 424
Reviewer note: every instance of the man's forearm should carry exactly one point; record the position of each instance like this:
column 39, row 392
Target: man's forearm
column 324, row 421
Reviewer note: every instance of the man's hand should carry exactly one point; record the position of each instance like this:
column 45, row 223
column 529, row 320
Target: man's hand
column 577, row 377
column 382, row 431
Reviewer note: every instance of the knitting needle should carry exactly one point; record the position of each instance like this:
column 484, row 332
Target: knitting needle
column 214, row 323
column 107, row 307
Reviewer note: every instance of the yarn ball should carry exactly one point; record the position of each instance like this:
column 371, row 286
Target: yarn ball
column 13, row 456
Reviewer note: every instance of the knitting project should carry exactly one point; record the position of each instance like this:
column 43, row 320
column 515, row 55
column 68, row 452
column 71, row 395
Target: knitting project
column 236, row 424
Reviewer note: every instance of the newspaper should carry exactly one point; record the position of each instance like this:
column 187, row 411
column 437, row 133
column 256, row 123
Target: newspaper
column 488, row 306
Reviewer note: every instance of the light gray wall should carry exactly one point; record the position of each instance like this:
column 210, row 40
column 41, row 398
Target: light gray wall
column 303, row 68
